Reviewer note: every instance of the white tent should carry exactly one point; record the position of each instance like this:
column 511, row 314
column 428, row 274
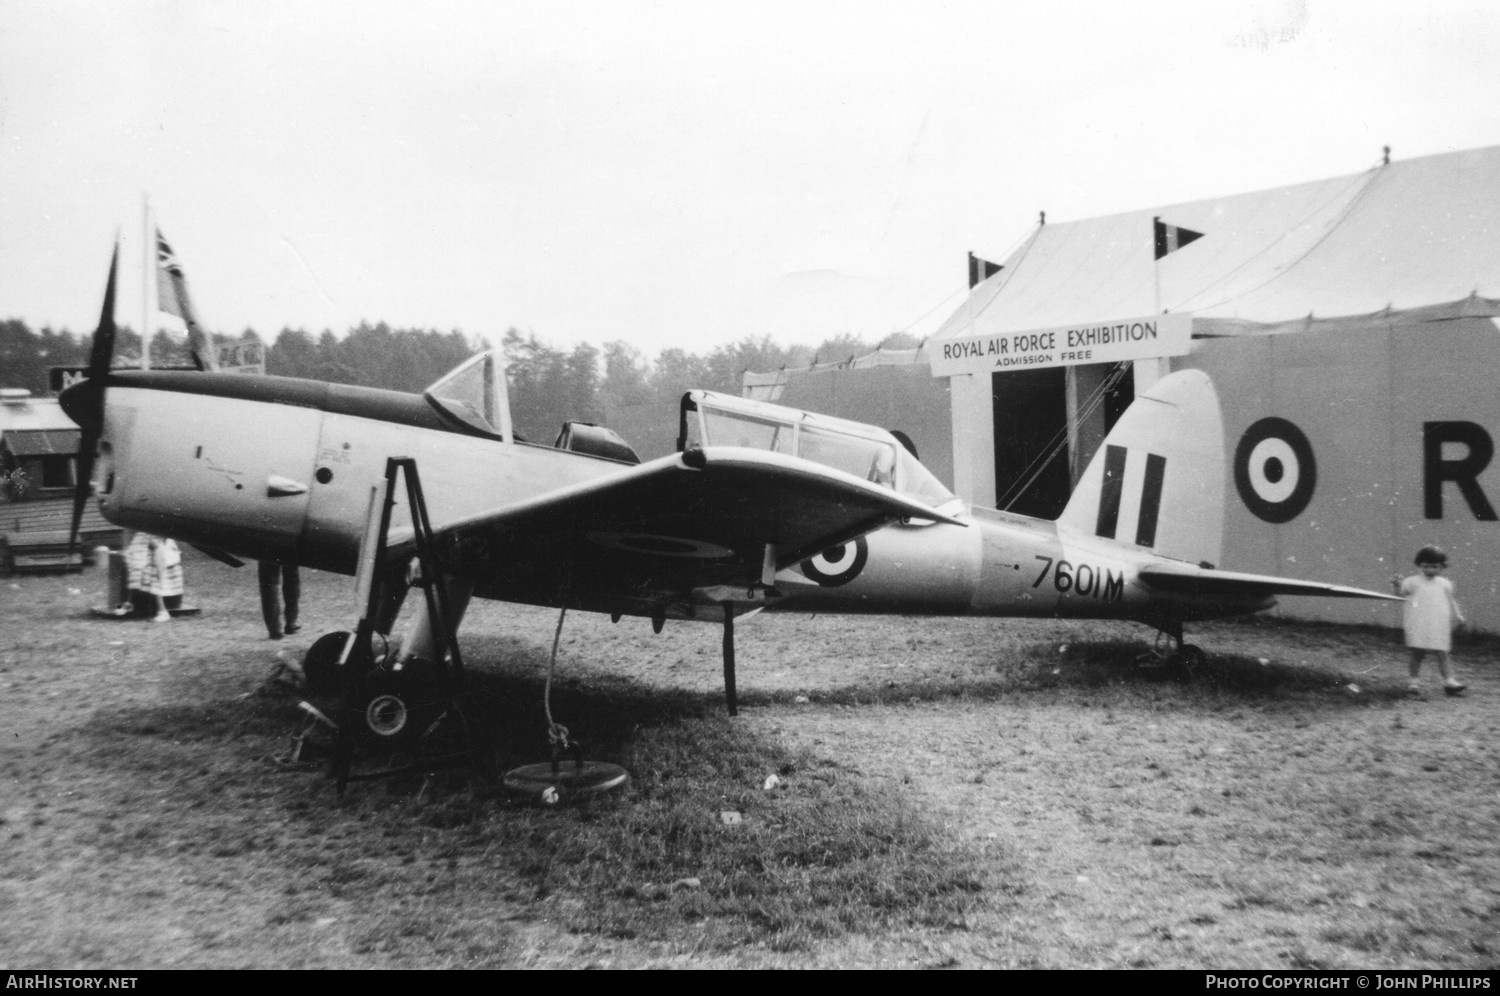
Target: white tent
column 1408, row 241
column 1350, row 319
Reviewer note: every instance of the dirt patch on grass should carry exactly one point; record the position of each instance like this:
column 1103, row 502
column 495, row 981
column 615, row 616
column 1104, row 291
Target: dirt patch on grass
column 962, row 792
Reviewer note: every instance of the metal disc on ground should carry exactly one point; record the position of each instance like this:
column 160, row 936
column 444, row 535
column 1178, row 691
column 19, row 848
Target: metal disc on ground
column 551, row 784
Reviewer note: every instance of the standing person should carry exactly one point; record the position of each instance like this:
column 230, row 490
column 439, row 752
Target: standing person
column 168, row 561
column 1430, row 614
column 286, row 577
column 138, row 573
column 154, row 572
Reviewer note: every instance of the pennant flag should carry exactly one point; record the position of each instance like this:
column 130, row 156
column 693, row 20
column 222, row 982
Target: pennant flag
column 981, row 270
column 169, row 279
column 172, row 299
column 1170, row 238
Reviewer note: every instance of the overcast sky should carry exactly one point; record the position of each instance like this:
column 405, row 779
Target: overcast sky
column 669, row 174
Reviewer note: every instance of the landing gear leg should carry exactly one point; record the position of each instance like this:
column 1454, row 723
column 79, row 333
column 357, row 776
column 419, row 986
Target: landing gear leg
column 403, row 707
column 335, row 659
column 426, row 639
column 1186, row 659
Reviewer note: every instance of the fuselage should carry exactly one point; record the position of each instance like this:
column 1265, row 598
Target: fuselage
column 283, row 469
column 278, row 468
column 996, row 564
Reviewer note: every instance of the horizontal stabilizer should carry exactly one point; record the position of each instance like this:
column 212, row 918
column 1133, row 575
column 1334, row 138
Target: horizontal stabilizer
column 1191, row 580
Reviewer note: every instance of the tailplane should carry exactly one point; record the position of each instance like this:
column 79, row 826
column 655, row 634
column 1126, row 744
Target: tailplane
column 1157, row 481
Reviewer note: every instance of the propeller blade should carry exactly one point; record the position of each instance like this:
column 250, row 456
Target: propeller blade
column 103, row 352
column 88, row 401
column 86, row 445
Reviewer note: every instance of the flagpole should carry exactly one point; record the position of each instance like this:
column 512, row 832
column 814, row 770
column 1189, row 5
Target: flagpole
column 1156, row 266
column 146, row 268
column 1145, row 372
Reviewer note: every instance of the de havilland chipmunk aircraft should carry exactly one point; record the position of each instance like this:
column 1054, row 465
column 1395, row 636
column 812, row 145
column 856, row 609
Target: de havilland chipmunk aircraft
column 761, row 508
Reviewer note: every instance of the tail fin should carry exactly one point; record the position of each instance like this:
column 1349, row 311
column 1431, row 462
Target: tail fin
column 1158, row 480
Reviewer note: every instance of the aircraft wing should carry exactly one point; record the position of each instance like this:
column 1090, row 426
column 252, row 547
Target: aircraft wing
column 646, row 538
column 1188, row 579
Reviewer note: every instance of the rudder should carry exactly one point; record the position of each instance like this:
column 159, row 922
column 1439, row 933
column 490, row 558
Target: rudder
column 1157, row 481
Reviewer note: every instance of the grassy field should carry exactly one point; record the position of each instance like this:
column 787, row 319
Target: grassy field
column 966, row 793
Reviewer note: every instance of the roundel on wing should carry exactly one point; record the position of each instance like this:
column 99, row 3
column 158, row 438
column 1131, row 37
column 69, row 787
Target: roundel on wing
column 1274, row 470
column 838, row 564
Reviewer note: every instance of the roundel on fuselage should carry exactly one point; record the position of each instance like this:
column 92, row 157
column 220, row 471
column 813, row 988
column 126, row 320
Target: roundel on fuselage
column 1274, row 470
column 838, row 564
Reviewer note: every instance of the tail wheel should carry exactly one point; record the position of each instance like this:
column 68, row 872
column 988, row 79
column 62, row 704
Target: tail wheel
column 1188, row 662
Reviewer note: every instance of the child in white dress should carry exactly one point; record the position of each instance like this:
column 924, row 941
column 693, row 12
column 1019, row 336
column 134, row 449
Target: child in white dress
column 154, row 572
column 1430, row 614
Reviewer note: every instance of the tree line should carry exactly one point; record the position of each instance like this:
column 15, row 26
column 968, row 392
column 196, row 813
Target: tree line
column 548, row 384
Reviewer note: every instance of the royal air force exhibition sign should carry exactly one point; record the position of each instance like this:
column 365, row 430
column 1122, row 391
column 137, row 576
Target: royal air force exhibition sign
column 1101, row 342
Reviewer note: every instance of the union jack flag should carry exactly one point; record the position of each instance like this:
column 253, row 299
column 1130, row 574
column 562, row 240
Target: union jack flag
column 169, row 279
column 172, row 298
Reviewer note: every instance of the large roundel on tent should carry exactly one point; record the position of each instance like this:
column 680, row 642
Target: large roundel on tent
column 1274, row 470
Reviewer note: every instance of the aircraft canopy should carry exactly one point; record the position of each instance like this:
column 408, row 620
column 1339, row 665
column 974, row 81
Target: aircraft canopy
column 474, row 394
column 712, row 419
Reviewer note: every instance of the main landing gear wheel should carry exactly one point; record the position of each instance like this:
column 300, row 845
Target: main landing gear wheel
column 391, row 708
column 400, row 722
column 386, row 715
column 320, row 667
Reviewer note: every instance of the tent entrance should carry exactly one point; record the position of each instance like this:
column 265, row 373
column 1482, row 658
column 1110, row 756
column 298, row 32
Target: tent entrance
column 1031, row 441
column 1048, row 425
